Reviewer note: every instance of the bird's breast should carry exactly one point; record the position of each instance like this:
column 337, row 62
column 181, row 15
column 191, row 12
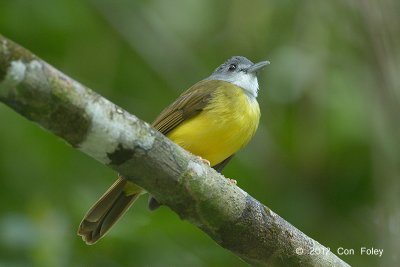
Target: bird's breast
column 225, row 125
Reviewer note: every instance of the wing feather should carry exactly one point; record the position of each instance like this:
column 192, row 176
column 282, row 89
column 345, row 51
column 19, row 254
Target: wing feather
column 188, row 105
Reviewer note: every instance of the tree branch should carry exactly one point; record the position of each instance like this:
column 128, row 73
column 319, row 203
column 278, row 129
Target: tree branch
column 109, row 134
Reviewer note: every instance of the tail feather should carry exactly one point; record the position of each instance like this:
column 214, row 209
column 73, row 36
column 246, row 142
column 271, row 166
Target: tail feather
column 107, row 210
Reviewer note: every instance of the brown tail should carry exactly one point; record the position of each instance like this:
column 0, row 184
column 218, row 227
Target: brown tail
column 108, row 209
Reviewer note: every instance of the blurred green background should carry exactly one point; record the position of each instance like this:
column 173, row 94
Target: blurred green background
column 326, row 156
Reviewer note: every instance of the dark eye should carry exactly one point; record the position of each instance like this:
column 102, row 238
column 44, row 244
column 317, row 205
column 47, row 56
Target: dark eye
column 232, row 67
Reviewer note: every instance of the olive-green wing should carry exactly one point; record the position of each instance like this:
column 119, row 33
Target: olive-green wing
column 188, row 105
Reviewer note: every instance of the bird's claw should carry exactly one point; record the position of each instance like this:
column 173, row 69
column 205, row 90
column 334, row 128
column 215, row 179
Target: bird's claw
column 232, row 181
column 204, row 161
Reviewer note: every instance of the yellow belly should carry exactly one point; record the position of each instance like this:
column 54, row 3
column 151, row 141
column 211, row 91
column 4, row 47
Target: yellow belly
column 227, row 124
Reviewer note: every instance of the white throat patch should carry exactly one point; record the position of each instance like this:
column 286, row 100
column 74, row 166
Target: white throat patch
column 247, row 82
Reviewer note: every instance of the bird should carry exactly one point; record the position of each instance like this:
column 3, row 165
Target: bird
column 213, row 119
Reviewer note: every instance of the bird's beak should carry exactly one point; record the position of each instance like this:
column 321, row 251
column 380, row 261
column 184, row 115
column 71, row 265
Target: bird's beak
column 257, row 66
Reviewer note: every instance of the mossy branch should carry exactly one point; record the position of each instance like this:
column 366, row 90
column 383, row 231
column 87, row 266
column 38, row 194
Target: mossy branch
column 109, row 134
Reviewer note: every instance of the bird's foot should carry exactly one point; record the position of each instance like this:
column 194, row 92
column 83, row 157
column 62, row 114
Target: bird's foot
column 232, row 181
column 204, row 161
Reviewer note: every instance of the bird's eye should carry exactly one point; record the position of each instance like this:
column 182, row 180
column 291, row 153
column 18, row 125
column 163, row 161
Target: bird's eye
column 232, row 67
